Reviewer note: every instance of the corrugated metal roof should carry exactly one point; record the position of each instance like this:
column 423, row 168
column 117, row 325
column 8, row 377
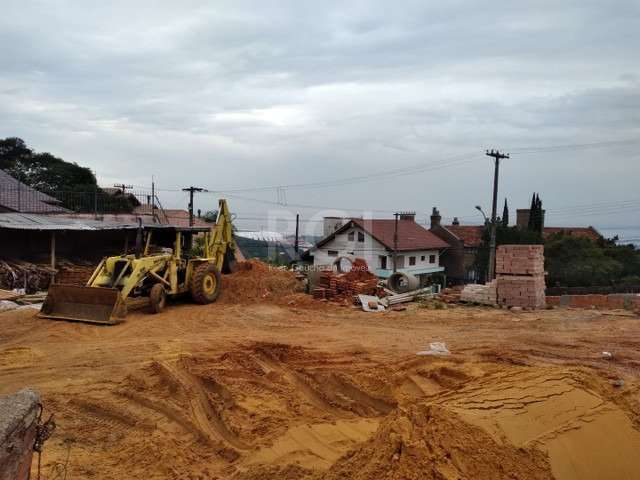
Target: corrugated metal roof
column 28, row 221
column 15, row 195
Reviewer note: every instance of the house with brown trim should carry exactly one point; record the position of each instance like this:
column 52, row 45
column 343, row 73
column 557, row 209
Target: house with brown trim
column 417, row 250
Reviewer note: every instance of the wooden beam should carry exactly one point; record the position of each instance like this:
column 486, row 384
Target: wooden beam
column 53, row 250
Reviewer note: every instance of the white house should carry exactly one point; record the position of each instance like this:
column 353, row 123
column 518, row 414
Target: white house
column 417, row 249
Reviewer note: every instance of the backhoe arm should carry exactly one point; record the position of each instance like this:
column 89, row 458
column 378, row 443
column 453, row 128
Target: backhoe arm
column 220, row 237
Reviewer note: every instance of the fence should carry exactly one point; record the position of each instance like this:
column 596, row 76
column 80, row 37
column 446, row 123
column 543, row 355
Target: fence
column 99, row 201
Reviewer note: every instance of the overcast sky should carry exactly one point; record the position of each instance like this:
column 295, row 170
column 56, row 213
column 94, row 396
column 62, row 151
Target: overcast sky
column 237, row 95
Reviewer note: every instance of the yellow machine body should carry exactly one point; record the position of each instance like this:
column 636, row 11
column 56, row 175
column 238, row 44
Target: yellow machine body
column 103, row 299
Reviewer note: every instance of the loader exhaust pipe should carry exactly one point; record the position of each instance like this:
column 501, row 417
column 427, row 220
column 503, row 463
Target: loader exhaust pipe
column 139, row 239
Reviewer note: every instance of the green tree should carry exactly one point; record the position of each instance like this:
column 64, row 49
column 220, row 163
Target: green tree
column 575, row 261
column 210, row 216
column 75, row 186
column 505, row 214
column 504, row 236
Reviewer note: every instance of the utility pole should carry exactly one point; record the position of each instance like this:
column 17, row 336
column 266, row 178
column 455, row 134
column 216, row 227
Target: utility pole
column 395, row 244
column 492, row 244
column 191, row 191
column 296, row 245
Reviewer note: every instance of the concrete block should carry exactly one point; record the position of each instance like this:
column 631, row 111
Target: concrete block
column 18, row 422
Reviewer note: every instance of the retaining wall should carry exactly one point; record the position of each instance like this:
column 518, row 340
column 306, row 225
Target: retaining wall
column 628, row 301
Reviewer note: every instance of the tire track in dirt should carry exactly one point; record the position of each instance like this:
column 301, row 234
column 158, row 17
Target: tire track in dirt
column 108, row 415
column 204, row 412
column 172, row 414
column 304, row 385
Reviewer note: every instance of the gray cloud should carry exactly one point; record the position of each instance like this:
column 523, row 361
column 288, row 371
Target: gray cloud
column 242, row 94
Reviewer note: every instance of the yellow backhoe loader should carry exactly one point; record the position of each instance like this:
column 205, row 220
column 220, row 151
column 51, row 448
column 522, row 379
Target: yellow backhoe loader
column 156, row 275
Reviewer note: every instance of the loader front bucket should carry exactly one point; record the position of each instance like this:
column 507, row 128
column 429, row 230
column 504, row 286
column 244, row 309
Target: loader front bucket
column 84, row 304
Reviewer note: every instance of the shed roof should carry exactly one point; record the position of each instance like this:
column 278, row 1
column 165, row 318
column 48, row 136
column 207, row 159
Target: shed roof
column 16, row 196
column 29, row 221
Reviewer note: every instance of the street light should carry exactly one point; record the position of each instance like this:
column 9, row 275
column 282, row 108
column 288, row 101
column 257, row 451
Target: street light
column 479, row 208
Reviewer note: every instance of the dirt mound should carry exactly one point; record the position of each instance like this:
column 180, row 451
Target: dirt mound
column 431, row 442
column 255, row 281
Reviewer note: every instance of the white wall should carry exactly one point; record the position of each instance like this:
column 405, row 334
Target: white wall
column 370, row 250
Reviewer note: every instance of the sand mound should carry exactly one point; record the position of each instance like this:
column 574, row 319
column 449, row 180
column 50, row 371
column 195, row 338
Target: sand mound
column 255, row 281
column 430, row 442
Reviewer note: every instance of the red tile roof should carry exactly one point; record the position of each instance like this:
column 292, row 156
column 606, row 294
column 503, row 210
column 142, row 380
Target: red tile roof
column 471, row 235
column 583, row 232
column 411, row 236
column 175, row 217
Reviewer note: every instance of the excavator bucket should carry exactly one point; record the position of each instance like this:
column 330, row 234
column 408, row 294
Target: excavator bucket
column 84, row 304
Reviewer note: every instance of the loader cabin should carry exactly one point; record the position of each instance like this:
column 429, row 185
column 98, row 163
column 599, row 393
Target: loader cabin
column 180, row 240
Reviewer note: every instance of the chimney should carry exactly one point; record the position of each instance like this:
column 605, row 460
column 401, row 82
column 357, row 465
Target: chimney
column 408, row 216
column 456, row 221
column 522, row 218
column 435, row 218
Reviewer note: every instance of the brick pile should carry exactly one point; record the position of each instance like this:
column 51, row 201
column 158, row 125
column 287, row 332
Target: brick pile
column 520, row 276
column 477, row 293
column 451, row 294
column 74, row 274
column 344, row 286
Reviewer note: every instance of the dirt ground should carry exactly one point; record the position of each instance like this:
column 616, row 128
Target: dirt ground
column 305, row 390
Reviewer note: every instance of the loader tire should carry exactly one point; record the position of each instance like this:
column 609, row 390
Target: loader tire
column 205, row 283
column 157, row 298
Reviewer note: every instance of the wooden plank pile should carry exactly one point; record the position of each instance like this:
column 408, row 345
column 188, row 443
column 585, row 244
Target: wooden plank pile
column 345, row 286
column 31, row 277
column 520, row 280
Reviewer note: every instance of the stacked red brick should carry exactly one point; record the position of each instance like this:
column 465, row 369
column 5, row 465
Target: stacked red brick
column 520, row 276
column 343, row 286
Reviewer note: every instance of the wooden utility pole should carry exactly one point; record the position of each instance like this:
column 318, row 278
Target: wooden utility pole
column 395, row 244
column 296, row 245
column 191, row 191
column 492, row 244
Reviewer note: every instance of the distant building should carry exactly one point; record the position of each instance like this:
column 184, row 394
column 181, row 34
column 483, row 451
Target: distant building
column 418, row 250
column 459, row 259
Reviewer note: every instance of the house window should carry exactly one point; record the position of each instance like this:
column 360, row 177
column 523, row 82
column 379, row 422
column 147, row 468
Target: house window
column 332, row 253
column 360, row 236
column 432, row 259
column 383, row 261
column 351, row 236
column 422, row 258
column 412, row 261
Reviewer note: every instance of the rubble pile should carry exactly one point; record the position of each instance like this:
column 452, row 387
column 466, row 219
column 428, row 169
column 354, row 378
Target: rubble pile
column 483, row 294
column 344, row 286
column 255, row 281
column 520, row 270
